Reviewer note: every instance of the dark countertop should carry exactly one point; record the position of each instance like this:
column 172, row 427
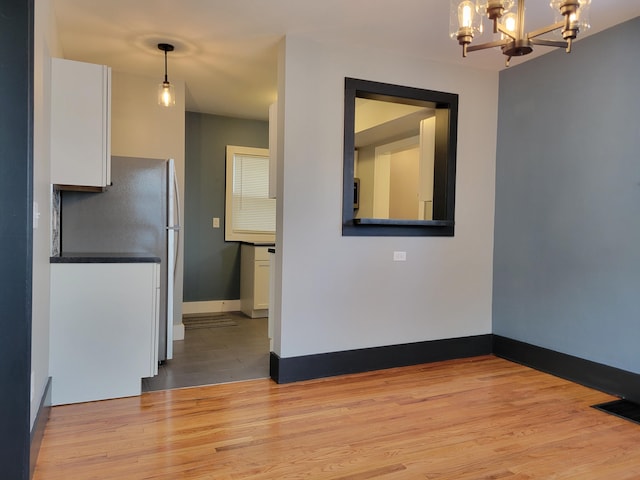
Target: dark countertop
column 101, row 257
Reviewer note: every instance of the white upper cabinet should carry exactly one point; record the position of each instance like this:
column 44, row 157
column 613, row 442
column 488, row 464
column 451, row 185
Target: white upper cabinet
column 80, row 124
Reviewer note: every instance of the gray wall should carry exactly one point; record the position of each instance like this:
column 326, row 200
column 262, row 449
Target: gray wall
column 567, row 226
column 212, row 266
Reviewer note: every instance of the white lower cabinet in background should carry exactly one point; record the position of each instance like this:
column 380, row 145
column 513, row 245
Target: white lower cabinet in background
column 103, row 331
column 254, row 280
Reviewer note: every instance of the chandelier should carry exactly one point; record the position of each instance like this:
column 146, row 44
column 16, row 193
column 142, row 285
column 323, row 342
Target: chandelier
column 572, row 16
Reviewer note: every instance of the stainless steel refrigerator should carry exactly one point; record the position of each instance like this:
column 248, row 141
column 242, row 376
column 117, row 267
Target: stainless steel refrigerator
column 138, row 213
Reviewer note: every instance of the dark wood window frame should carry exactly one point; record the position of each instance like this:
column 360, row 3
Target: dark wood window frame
column 446, row 107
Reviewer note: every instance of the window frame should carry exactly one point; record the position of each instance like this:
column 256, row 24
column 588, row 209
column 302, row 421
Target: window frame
column 230, row 235
column 446, row 106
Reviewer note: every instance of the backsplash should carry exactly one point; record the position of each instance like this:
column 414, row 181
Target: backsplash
column 55, row 221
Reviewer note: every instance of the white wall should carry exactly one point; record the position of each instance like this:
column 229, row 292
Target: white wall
column 45, row 46
column 142, row 128
column 338, row 293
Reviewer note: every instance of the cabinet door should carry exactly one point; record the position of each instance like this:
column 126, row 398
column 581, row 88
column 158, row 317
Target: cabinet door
column 102, row 330
column 261, row 293
column 80, row 123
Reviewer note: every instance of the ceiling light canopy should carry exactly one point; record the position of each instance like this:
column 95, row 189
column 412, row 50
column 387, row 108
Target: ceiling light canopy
column 572, row 16
column 166, row 92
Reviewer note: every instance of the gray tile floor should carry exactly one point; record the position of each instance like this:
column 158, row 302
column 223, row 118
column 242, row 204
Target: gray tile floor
column 216, row 355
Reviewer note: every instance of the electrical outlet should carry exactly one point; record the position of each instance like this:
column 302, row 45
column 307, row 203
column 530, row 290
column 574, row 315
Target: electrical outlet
column 399, row 256
column 36, row 215
column 216, row 222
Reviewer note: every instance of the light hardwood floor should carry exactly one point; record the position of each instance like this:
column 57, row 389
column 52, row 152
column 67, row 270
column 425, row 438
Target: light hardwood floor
column 480, row 418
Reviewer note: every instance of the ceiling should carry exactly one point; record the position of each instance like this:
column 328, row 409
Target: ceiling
column 226, row 50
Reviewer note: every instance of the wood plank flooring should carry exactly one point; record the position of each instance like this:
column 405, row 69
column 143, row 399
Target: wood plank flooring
column 480, row 418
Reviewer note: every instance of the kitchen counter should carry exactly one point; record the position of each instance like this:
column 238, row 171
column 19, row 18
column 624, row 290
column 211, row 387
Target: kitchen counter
column 102, row 257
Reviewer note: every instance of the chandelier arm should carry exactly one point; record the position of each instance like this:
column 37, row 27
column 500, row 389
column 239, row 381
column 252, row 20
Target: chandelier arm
column 549, row 43
column 543, row 30
column 483, row 46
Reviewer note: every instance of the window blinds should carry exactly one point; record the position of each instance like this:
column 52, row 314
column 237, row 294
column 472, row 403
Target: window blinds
column 253, row 210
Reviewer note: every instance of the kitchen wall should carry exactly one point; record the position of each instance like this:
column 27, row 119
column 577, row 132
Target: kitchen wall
column 45, row 46
column 142, row 128
column 212, row 266
column 566, row 261
column 337, row 293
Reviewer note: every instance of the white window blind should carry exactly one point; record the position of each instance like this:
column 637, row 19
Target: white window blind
column 253, row 210
column 250, row 213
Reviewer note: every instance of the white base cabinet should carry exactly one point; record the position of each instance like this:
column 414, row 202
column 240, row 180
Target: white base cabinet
column 254, row 280
column 103, row 330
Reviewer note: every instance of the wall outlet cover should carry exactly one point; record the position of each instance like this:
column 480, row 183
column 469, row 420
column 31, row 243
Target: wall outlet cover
column 399, row 256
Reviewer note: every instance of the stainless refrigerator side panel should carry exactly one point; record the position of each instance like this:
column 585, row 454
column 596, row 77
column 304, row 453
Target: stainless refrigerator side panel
column 130, row 216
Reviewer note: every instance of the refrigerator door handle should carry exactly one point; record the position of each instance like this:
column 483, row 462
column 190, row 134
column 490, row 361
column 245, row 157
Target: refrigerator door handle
column 176, row 226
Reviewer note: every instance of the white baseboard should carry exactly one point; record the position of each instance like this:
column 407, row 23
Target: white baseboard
column 178, row 331
column 214, row 306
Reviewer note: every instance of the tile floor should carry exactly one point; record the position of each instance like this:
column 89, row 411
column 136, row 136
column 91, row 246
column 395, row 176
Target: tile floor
column 216, row 355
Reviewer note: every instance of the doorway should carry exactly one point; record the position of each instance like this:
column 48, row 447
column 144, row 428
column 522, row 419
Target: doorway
column 232, row 346
column 217, row 348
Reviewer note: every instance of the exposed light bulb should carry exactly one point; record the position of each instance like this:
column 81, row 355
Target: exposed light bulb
column 465, row 14
column 166, row 95
column 510, row 23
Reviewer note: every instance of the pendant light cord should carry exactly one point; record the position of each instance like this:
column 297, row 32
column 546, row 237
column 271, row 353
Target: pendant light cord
column 166, row 80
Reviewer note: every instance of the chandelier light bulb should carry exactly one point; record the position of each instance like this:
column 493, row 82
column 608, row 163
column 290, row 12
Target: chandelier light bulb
column 464, row 22
column 465, row 14
column 510, row 22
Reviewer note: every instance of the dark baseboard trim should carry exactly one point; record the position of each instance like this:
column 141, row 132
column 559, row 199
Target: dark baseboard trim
column 37, row 432
column 307, row 367
column 614, row 381
column 607, row 379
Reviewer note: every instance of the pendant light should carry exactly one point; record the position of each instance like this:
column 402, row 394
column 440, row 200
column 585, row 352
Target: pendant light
column 166, row 92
